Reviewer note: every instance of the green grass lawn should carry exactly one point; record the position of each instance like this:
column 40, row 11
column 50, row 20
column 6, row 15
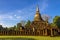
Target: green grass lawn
column 28, row 38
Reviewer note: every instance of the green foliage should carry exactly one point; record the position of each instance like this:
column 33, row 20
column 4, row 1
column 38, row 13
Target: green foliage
column 28, row 24
column 14, row 27
column 52, row 24
column 10, row 28
column 56, row 21
column 1, row 28
column 19, row 25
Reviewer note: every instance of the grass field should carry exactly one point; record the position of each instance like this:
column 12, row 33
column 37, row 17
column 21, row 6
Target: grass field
column 28, row 38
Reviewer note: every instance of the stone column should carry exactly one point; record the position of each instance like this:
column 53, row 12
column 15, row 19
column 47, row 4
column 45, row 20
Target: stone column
column 46, row 32
column 43, row 32
column 55, row 32
column 4, row 32
column 24, row 32
column 51, row 32
column 16, row 32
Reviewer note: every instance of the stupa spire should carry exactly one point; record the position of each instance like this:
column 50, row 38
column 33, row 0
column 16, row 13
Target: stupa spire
column 37, row 15
column 37, row 8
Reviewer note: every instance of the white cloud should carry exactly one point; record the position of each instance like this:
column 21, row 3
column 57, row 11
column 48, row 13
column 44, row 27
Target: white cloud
column 15, row 15
column 18, row 17
column 3, row 24
column 19, row 11
column 10, row 17
column 5, row 17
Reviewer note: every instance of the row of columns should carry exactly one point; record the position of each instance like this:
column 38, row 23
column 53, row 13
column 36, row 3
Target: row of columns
column 20, row 33
column 39, row 32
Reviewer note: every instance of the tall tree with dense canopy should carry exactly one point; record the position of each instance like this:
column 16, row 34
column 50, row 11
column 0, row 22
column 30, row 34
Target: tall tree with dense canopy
column 56, row 21
column 14, row 27
column 19, row 25
column 28, row 24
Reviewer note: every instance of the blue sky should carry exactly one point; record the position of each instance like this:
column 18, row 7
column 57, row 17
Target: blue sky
column 13, row 11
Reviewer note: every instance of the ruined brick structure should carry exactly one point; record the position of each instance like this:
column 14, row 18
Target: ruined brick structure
column 38, row 27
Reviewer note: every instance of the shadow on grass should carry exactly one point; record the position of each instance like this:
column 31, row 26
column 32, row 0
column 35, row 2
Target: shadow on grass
column 17, row 39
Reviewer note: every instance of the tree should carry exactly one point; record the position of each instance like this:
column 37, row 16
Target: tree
column 19, row 25
column 52, row 24
column 1, row 28
column 6, row 28
column 14, row 28
column 56, row 21
column 28, row 24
